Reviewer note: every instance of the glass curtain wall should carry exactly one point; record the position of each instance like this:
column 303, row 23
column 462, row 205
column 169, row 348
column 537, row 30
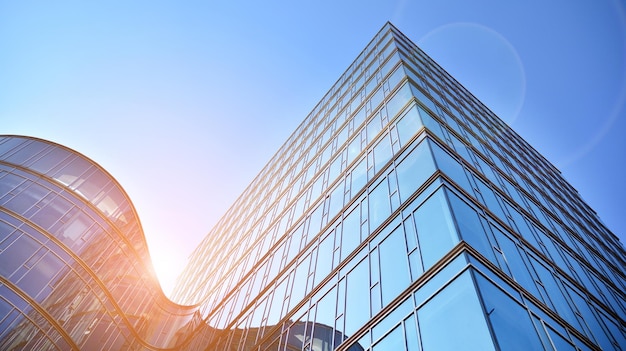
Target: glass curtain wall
column 75, row 273
column 403, row 214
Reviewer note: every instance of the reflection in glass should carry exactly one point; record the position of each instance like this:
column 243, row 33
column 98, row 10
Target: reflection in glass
column 435, row 229
column 453, row 319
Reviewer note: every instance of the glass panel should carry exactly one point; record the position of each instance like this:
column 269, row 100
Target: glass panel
column 354, row 149
column 454, row 320
column 275, row 309
column 70, row 174
column 413, row 170
column 41, row 274
column 410, row 330
column 398, row 101
column 359, row 177
column 359, row 117
column 435, row 228
column 451, row 167
column 392, row 318
column 8, row 143
column 315, row 222
column 324, row 321
column 51, row 159
column 431, row 124
column 560, row 343
column 374, row 127
column 394, row 271
column 424, row 99
column 27, row 198
column 357, row 298
column 299, row 283
column 324, row 258
column 515, row 262
column 93, row 185
column 379, row 205
column 470, row 227
column 336, row 200
column 490, row 199
column 26, row 152
column 550, row 283
column 392, row 341
column 408, row 125
column 382, row 153
column 397, row 75
column 51, row 212
column 585, row 310
column 510, row 322
column 351, row 234
column 16, row 254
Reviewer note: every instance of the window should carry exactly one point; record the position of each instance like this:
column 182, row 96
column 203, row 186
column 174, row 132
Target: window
column 454, row 320
column 435, row 228
column 357, row 298
column 414, row 170
column 510, row 322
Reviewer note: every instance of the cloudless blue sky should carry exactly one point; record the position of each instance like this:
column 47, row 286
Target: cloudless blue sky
column 184, row 102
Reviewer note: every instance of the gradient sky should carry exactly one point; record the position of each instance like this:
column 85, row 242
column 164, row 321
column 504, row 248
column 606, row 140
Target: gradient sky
column 184, row 102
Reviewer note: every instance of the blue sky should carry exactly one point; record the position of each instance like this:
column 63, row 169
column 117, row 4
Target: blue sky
column 184, row 102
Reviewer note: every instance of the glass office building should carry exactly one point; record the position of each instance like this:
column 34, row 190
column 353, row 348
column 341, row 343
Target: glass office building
column 75, row 273
column 401, row 214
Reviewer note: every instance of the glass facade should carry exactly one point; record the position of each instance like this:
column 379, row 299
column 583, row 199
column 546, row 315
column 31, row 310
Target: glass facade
column 401, row 214
column 75, row 273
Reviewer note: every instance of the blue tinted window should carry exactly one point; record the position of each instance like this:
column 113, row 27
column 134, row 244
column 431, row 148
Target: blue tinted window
column 435, row 228
column 359, row 117
column 382, row 153
column 354, row 149
column 451, row 167
column 394, row 270
column 374, row 127
column 397, row 75
column 551, row 284
column 454, row 320
column 392, row 318
column 560, row 343
column 424, row 99
column 408, row 125
column 392, row 341
column 516, row 263
column 324, row 258
column 510, row 322
column 40, row 275
column 325, row 319
column 357, row 298
column 589, row 319
column 351, row 235
column 431, row 124
column 410, row 330
column 16, row 254
column 359, row 177
column 470, row 227
column 398, row 101
column 379, row 205
column 336, row 200
column 414, row 170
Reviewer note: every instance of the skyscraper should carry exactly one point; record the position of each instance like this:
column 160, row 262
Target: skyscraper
column 401, row 214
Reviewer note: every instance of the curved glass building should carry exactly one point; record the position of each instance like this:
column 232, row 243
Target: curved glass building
column 402, row 214
column 75, row 273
